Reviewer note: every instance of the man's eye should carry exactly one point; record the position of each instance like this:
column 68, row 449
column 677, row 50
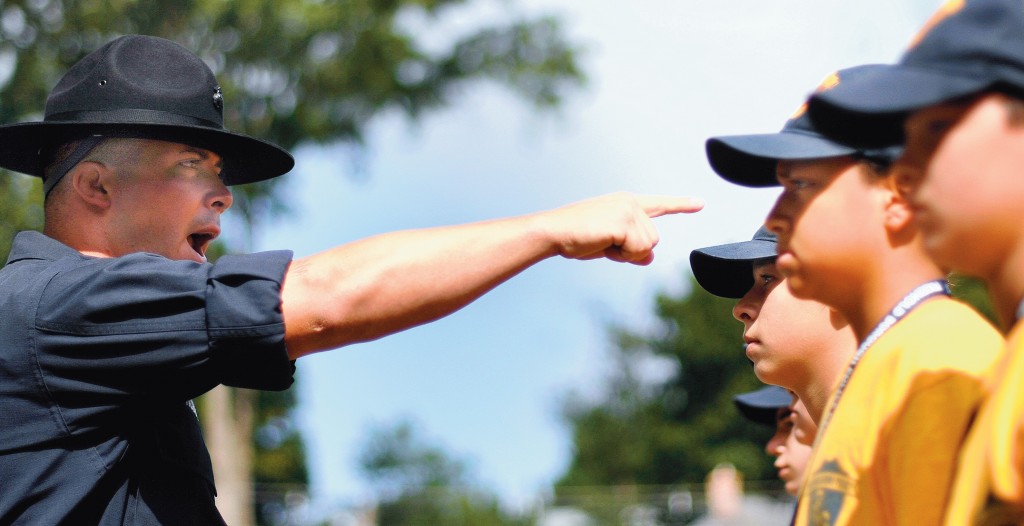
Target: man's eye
column 938, row 126
column 767, row 278
column 799, row 184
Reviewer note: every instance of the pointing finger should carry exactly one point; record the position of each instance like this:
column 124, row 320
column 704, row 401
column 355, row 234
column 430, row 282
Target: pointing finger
column 659, row 205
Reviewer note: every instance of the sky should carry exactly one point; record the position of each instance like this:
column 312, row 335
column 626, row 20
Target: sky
column 664, row 75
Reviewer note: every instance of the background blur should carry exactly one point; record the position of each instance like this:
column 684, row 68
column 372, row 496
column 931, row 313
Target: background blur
column 572, row 378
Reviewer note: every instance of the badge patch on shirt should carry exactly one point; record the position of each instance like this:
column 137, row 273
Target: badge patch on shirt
column 827, row 490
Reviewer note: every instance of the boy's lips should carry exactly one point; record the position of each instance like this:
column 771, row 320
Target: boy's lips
column 750, row 347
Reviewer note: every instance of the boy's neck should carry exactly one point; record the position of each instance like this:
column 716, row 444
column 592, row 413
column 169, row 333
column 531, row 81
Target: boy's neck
column 815, row 398
column 829, row 366
column 895, row 277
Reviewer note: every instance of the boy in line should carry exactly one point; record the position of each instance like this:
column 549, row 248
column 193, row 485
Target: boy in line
column 797, row 344
column 957, row 95
column 770, row 406
column 886, row 446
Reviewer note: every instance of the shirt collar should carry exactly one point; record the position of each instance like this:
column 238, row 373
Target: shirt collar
column 35, row 245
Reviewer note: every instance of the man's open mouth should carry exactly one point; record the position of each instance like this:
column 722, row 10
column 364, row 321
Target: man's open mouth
column 200, row 241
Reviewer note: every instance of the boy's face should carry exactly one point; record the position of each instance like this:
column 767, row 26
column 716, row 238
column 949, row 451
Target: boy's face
column 782, row 333
column 820, row 219
column 790, row 455
column 805, row 430
column 963, row 172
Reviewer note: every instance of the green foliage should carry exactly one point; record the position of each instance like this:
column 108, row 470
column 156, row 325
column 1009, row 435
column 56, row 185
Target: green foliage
column 293, row 71
column 973, row 292
column 673, row 431
column 21, row 208
column 418, row 483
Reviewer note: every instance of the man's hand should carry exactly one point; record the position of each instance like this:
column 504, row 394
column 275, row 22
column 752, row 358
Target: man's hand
column 615, row 226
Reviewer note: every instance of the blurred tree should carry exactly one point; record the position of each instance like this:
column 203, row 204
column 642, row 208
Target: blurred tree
column 420, row 484
column 674, row 429
column 293, row 72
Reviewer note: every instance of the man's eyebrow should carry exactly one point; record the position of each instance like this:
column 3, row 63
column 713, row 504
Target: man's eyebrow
column 783, row 170
column 203, row 154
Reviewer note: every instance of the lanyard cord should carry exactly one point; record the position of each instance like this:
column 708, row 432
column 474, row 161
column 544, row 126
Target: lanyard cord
column 911, row 300
column 905, row 305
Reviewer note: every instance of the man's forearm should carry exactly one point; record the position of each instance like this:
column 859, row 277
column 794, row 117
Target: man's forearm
column 383, row 284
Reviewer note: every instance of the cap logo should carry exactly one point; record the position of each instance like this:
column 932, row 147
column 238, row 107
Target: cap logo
column 946, row 10
column 218, row 98
column 831, row 81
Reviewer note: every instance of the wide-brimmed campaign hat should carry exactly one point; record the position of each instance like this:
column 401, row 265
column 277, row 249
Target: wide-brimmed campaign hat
column 965, row 48
column 146, row 87
column 750, row 160
column 762, row 406
column 725, row 270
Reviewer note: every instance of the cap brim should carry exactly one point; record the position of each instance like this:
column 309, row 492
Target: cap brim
column 762, row 406
column 725, row 270
column 750, row 160
column 246, row 159
column 868, row 111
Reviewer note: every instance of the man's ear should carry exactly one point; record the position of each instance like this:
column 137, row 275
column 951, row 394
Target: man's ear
column 90, row 181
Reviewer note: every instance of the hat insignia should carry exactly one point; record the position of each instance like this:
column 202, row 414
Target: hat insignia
column 218, row 98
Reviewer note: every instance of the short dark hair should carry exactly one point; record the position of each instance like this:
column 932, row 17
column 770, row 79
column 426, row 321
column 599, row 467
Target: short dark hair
column 1014, row 105
column 52, row 155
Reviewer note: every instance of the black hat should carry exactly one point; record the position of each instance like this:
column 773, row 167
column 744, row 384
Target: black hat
column 725, row 270
column 965, row 48
column 147, row 87
column 762, row 406
column 750, row 160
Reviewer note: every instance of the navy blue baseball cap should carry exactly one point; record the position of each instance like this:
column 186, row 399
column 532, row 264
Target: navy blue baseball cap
column 762, row 406
column 725, row 270
column 750, row 160
column 966, row 47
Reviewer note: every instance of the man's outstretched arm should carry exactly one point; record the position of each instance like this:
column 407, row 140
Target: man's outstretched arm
column 383, row 284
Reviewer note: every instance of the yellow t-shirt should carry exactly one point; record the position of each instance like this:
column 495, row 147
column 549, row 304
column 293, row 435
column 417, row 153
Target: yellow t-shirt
column 989, row 488
column 889, row 453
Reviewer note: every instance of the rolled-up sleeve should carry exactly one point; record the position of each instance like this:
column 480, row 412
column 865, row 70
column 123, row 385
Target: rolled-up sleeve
column 243, row 312
column 144, row 325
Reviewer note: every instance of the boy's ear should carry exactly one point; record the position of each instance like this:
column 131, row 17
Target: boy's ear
column 90, row 181
column 898, row 215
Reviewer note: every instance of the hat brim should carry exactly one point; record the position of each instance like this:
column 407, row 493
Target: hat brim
column 762, row 406
column 246, row 159
column 725, row 270
column 868, row 111
column 750, row 160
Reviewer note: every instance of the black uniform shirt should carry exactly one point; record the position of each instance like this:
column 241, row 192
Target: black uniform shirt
column 99, row 361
